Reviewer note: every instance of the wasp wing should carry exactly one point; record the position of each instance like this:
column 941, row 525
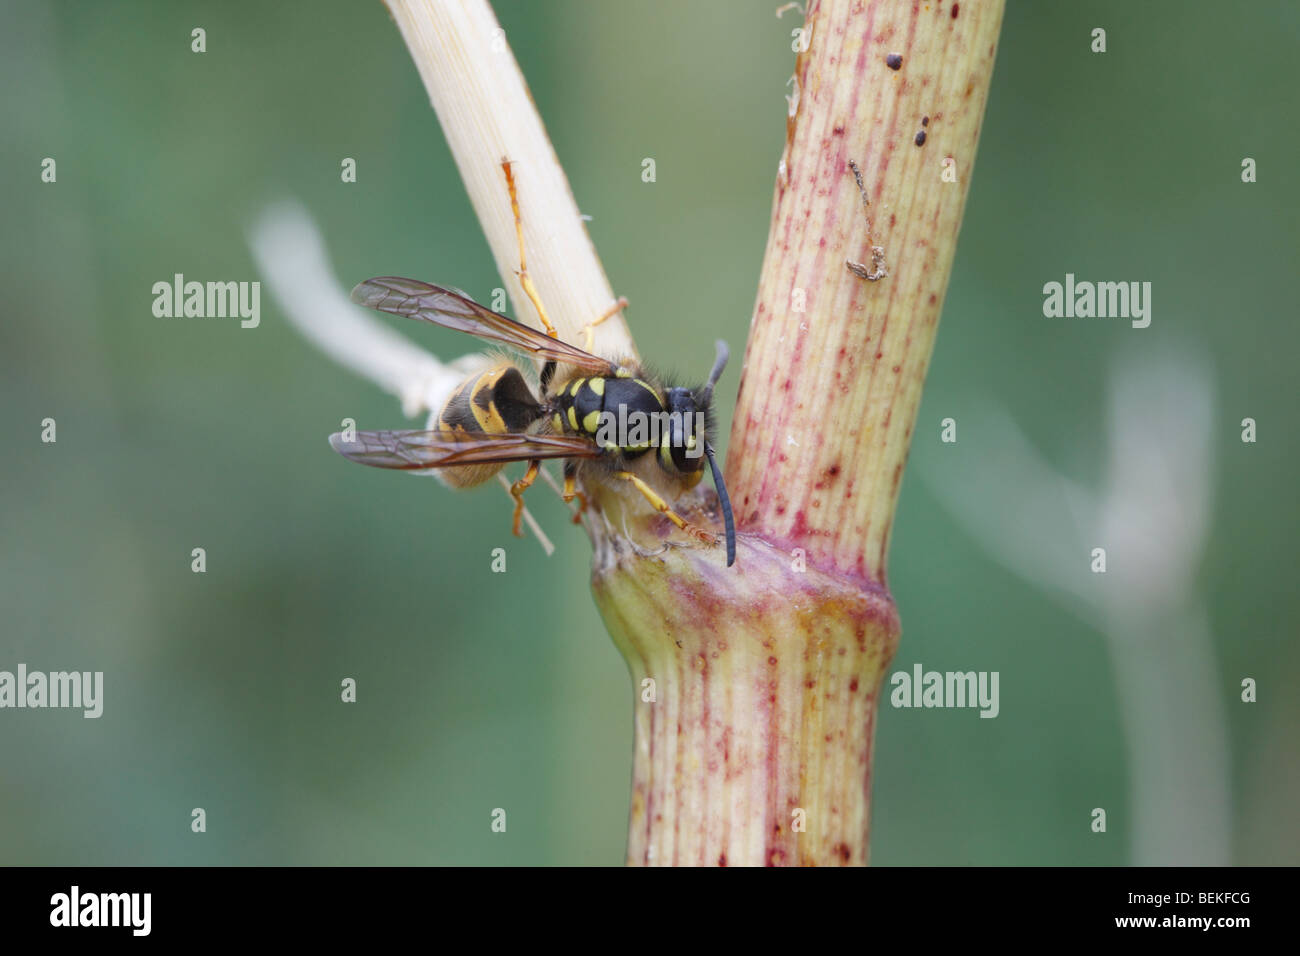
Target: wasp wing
column 420, row 300
column 442, row 449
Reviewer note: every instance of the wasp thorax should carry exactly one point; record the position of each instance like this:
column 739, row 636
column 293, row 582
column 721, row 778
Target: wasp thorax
column 629, row 417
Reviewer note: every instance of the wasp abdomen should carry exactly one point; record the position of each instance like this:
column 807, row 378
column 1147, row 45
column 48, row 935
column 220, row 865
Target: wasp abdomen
column 495, row 402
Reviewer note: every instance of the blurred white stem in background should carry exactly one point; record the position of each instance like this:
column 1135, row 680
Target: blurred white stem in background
column 1151, row 517
column 291, row 256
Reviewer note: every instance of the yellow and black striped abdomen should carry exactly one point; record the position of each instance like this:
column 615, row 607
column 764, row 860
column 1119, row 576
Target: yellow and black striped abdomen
column 495, row 402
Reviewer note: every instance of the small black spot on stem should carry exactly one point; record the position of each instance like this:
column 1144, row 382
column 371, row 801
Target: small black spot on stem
column 920, row 138
column 894, row 60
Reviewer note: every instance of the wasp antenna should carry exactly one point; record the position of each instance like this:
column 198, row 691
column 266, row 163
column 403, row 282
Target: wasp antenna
column 721, row 485
column 718, row 365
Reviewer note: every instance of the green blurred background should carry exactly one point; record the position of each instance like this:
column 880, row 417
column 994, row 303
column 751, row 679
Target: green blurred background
column 478, row 690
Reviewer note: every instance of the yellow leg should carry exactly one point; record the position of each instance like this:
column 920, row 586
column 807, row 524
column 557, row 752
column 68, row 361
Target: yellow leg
column 524, row 279
column 589, row 330
column 662, row 507
column 517, row 491
column 571, row 492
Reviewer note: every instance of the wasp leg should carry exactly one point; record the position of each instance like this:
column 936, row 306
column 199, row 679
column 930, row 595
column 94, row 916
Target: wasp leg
column 524, row 279
column 571, row 491
column 589, row 330
column 517, row 492
column 662, row 507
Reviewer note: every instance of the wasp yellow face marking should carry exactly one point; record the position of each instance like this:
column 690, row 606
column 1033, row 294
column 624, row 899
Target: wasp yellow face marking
column 591, row 422
column 573, row 418
column 597, row 385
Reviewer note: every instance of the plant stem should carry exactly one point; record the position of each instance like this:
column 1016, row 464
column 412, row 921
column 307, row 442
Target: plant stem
column 756, row 685
column 753, row 741
column 836, row 363
column 488, row 116
column 757, row 747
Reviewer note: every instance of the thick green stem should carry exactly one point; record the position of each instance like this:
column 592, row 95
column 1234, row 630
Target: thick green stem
column 757, row 745
column 755, row 708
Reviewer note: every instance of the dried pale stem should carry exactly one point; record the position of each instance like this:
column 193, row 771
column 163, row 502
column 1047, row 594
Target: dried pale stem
column 483, row 104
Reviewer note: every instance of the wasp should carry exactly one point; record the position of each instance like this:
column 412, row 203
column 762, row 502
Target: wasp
column 610, row 420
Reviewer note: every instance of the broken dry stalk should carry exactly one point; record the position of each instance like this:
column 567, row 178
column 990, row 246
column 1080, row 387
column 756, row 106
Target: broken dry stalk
column 483, row 104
